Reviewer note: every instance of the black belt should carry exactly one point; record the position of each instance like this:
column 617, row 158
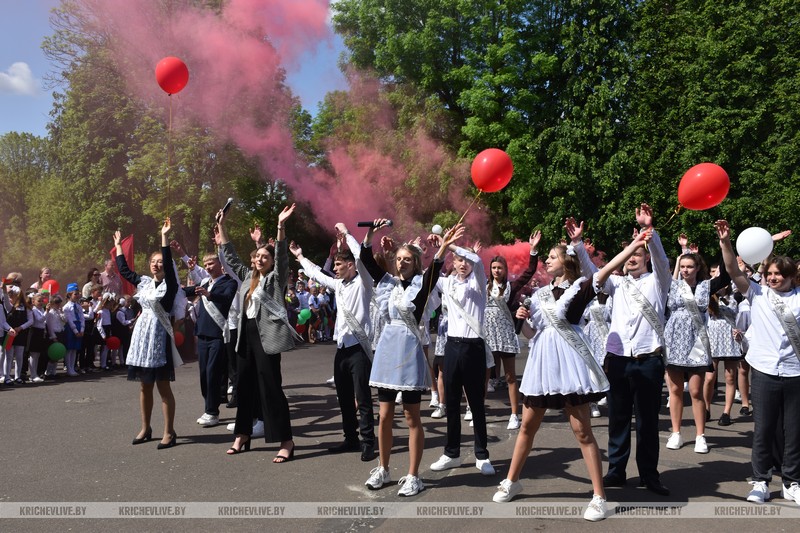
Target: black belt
column 466, row 340
column 648, row 355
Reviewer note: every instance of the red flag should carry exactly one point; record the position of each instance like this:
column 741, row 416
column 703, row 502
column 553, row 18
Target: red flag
column 127, row 251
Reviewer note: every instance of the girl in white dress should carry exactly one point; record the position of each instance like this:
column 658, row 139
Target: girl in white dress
column 561, row 372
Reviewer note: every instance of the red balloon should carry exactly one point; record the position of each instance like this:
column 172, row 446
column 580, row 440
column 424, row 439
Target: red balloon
column 300, row 328
column 703, row 186
column 51, row 285
column 113, row 343
column 179, row 338
column 172, row 75
column 492, row 170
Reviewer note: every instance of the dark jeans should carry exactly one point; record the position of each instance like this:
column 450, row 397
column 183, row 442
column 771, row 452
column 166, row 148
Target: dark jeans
column 635, row 384
column 465, row 367
column 351, row 369
column 776, row 410
column 260, row 384
column 211, row 361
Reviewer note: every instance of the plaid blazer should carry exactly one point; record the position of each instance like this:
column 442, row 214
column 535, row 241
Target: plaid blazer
column 274, row 333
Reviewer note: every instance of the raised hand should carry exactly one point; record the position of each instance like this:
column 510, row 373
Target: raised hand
column 284, row 215
column 683, row 242
column 255, row 233
column 534, row 239
column 387, row 244
column 341, row 229
column 723, row 230
column 644, row 216
column 166, row 227
column 782, row 235
column 574, row 230
column 296, row 250
column 175, row 245
column 217, row 236
column 435, row 240
column 192, row 262
column 478, row 246
column 454, row 234
column 694, row 249
column 117, row 238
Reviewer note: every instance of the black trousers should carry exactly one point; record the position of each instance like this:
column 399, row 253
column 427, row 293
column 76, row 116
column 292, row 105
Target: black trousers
column 230, row 349
column 351, row 369
column 465, row 367
column 260, row 383
column 635, row 384
column 776, row 412
column 211, row 362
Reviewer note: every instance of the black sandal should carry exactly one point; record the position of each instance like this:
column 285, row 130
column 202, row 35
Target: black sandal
column 279, row 459
column 245, row 447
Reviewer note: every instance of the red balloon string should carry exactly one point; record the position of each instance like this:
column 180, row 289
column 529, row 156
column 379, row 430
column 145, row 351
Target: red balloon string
column 470, row 207
column 169, row 153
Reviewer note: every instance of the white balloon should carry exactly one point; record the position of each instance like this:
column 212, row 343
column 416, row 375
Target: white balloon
column 437, row 229
column 754, row 245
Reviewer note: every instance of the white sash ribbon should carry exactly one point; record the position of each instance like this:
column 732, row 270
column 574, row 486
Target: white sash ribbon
column 471, row 321
column 787, row 320
column 163, row 318
column 647, row 310
column 217, row 317
column 355, row 326
column 567, row 331
column 701, row 351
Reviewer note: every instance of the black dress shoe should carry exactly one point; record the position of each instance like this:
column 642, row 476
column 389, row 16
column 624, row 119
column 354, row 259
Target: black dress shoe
column 232, row 404
column 654, row 487
column 367, row 452
column 613, row 481
column 173, row 441
column 346, row 446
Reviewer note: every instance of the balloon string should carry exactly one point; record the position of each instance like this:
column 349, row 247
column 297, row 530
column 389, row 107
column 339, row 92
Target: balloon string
column 169, row 153
column 677, row 210
column 470, row 207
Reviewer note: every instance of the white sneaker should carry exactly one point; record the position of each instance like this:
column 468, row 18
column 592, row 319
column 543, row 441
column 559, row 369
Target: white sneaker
column 668, row 400
column 675, row 441
column 331, row 381
column 596, row 510
column 468, row 414
column 411, row 486
column 472, row 423
column 700, row 445
column 603, row 401
column 759, row 493
column 490, row 386
column 792, row 492
column 434, row 400
column 506, row 491
column 258, row 429
column 513, row 422
column 445, row 463
column 439, row 412
column 208, row 420
column 485, row 466
column 231, row 426
column 37, row 379
column 399, row 398
column 230, row 389
column 378, row 477
column 594, row 410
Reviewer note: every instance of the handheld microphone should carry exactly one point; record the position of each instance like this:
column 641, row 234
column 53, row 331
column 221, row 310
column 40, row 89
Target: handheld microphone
column 526, row 303
column 371, row 224
column 227, row 205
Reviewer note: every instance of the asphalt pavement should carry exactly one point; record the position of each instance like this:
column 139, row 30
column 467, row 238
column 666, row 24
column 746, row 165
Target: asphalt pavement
column 69, row 465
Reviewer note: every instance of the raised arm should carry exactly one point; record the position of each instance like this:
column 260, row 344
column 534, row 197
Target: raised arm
column 658, row 257
column 641, row 240
column 729, row 257
column 122, row 265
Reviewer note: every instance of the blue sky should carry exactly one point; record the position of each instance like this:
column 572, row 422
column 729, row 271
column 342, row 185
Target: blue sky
column 25, row 104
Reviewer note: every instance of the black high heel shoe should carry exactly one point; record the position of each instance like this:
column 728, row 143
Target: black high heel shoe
column 144, row 438
column 173, row 441
column 280, row 459
column 243, row 447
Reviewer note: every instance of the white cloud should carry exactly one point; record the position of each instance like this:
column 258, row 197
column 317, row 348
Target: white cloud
column 18, row 79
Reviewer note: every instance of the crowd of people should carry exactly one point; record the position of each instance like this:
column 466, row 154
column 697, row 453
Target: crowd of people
column 598, row 336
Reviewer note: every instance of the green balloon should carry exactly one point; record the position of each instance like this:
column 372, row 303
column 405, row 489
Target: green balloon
column 305, row 314
column 56, row 351
column 301, row 320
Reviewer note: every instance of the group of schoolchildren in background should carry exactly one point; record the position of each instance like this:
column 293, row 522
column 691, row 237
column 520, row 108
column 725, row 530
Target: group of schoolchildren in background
column 40, row 328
